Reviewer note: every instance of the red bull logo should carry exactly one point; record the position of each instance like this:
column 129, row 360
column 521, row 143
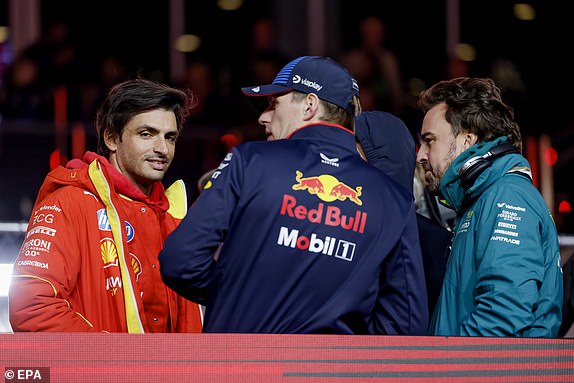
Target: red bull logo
column 327, row 188
column 327, row 215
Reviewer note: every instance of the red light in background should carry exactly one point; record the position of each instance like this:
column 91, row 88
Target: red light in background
column 60, row 105
column 550, row 156
column 564, row 207
column 54, row 159
column 78, row 140
column 229, row 140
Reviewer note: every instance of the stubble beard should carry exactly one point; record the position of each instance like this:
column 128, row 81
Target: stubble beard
column 433, row 182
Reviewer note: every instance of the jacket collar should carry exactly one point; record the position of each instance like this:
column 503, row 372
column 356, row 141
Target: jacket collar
column 453, row 192
column 121, row 184
column 331, row 134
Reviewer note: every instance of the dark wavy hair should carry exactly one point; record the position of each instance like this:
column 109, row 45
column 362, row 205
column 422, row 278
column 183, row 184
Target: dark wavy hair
column 136, row 96
column 474, row 105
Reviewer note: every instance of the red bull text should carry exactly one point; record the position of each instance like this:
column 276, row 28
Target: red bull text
column 329, row 215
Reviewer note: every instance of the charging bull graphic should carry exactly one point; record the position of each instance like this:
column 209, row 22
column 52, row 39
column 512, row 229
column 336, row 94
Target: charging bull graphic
column 327, row 188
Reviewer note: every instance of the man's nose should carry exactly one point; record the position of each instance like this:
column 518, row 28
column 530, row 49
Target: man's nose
column 264, row 118
column 161, row 145
column 422, row 155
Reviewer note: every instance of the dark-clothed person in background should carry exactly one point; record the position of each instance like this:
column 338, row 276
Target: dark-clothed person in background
column 503, row 274
column 387, row 143
column 315, row 239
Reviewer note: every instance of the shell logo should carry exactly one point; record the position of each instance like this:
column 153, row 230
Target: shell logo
column 136, row 266
column 109, row 252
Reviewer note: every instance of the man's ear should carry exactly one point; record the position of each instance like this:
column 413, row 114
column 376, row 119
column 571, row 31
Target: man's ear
column 469, row 140
column 111, row 139
column 311, row 104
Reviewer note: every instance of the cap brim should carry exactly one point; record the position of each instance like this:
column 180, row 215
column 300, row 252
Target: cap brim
column 257, row 95
column 265, row 90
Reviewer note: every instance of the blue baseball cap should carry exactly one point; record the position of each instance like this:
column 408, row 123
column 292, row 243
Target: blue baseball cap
column 329, row 80
column 388, row 145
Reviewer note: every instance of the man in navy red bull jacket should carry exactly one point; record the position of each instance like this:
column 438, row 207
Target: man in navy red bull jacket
column 314, row 239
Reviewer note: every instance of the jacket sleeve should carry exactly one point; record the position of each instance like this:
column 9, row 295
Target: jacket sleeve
column 402, row 307
column 510, row 266
column 46, row 270
column 187, row 260
column 36, row 305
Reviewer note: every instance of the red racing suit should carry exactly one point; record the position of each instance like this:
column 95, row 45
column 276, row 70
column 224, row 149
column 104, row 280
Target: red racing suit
column 89, row 260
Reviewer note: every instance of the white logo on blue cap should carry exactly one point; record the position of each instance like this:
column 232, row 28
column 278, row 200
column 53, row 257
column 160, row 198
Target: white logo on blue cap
column 312, row 84
column 307, row 83
column 355, row 85
column 256, row 89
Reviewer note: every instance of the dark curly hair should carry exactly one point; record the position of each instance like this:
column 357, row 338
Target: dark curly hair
column 474, row 105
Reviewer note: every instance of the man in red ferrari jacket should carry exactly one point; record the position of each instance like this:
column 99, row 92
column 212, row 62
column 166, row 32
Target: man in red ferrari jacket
column 89, row 261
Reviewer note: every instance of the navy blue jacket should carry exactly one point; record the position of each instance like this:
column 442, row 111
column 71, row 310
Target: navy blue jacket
column 314, row 240
column 389, row 145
